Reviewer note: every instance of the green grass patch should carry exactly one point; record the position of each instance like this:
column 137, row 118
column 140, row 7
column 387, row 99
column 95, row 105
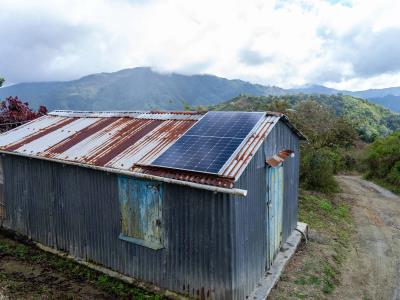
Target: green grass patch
column 308, row 280
column 331, row 218
column 329, row 278
column 316, row 273
column 387, row 185
column 323, row 213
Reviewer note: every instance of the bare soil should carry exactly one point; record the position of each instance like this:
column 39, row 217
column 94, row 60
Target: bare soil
column 372, row 269
column 22, row 279
column 27, row 272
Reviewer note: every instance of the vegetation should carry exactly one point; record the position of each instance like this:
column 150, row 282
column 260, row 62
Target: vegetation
column 328, row 136
column 315, row 272
column 1, row 81
column 133, row 89
column 331, row 136
column 25, row 252
column 390, row 101
column 370, row 120
column 383, row 161
column 14, row 112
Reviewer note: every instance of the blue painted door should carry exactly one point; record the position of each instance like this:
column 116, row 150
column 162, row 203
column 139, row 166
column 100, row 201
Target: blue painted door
column 141, row 211
column 274, row 211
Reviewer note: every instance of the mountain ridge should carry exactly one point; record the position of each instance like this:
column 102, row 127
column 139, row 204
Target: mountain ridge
column 145, row 89
column 387, row 97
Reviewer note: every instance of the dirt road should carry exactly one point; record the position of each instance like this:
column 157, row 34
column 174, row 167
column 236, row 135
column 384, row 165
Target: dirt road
column 372, row 270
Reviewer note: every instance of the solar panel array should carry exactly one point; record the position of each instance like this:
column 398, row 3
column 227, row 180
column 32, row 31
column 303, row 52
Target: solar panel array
column 210, row 143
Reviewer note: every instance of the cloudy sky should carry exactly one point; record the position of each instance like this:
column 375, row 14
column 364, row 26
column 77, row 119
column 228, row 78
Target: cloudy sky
column 347, row 44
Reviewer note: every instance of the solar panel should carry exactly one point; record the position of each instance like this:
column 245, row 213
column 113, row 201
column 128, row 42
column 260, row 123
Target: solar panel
column 210, row 143
column 226, row 124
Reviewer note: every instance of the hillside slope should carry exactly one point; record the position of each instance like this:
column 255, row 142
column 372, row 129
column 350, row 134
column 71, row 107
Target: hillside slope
column 134, row 89
column 387, row 97
column 144, row 89
column 371, row 120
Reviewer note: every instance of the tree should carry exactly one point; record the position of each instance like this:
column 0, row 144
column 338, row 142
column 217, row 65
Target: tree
column 1, row 81
column 321, row 126
column 14, row 112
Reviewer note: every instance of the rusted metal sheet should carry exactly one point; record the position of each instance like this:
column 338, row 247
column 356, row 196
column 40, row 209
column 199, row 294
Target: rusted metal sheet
column 28, row 129
column 151, row 145
column 239, row 163
column 141, row 211
column 276, row 159
column 216, row 244
column 208, row 179
column 106, row 139
column 127, row 141
column 157, row 115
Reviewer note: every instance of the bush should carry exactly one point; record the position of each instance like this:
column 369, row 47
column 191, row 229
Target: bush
column 317, row 170
column 394, row 174
column 383, row 161
column 383, row 156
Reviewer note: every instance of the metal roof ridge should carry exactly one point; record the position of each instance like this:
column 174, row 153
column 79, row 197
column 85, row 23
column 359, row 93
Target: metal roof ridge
column 165, row 115
column 286, row 120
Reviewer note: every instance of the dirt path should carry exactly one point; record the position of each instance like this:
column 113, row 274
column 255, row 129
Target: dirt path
column 372, row 270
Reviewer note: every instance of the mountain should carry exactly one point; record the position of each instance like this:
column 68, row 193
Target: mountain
column 314, row 89
column 144, row 89
column 134, row 89
column 387, row 97
column 371, row 120
column 390, row 101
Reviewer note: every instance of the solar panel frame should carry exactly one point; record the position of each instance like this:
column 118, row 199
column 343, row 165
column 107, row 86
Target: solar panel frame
column 232, row 155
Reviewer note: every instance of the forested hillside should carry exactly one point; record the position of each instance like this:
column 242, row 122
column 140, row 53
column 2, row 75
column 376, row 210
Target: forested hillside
column 146, row 89
column 387, row 97
column 369, row 119
column 134, row 89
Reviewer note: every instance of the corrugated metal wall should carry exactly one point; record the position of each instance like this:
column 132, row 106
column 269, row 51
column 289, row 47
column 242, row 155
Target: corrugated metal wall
column 77, row 210
column 285, row 139
column 249, row 215
column 215, row 244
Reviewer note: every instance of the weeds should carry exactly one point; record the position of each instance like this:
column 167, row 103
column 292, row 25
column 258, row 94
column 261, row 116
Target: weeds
column 70, row 269
column 329, row 275
column 318, row 273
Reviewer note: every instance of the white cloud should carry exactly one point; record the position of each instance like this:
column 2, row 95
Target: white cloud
column 283, row 43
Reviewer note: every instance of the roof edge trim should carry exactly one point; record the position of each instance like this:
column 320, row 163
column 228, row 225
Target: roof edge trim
column 286, row 120
column 128, row 114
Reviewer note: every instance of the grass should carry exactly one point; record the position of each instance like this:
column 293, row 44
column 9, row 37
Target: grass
column 315, row 271
column 26, row 252
column 391, row 187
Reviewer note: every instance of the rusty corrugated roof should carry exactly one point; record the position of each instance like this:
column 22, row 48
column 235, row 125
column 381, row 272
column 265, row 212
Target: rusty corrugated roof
column 127, row 141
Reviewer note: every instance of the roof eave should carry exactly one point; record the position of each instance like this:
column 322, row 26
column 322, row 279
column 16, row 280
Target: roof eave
column 286, row 120
column 216, row 189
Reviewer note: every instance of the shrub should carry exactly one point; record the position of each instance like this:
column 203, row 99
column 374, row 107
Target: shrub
column 317, row 170
column 394, row 174
column 383, row 156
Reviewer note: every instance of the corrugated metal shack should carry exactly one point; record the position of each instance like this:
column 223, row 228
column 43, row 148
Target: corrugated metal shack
column 86, row 183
